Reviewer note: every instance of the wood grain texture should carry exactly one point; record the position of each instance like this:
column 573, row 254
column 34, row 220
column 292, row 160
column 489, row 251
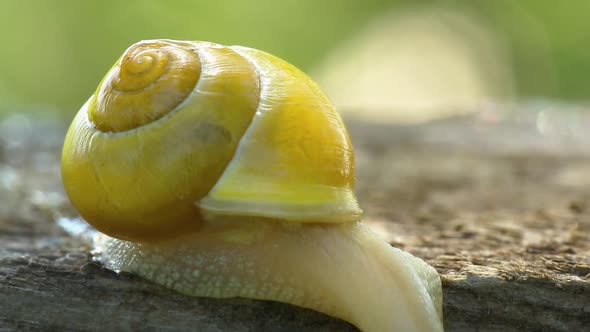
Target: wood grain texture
column 498, row 208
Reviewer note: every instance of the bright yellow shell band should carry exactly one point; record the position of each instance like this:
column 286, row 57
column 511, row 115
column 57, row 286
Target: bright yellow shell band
column 295, row 162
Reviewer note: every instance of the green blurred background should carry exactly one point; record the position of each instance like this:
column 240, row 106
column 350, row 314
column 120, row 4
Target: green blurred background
column 368, row 54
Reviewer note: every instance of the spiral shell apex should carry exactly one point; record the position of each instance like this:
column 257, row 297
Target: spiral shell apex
column 181, row 132
column 150, row 80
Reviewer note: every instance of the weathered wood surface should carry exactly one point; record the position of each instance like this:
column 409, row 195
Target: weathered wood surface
column 499, row 209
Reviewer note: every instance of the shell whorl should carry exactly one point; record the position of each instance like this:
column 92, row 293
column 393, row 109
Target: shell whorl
column 150, row 80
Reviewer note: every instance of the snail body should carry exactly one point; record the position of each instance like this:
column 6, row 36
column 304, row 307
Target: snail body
column 225, row 171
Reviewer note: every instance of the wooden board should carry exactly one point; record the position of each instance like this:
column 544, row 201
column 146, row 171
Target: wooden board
column 498, row 202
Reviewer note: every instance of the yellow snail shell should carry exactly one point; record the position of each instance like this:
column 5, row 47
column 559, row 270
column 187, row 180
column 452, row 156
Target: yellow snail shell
column 225, row 171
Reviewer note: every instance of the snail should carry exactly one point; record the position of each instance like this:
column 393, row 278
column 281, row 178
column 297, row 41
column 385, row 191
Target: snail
column 226, row 172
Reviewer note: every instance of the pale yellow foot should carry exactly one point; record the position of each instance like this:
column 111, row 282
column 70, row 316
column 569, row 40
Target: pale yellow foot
column 342, row 270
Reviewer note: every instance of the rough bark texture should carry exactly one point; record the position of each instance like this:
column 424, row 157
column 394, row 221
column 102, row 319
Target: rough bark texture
column 501, row 210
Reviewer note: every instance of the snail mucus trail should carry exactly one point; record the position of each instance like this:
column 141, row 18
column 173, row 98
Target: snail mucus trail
column 226, row 172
